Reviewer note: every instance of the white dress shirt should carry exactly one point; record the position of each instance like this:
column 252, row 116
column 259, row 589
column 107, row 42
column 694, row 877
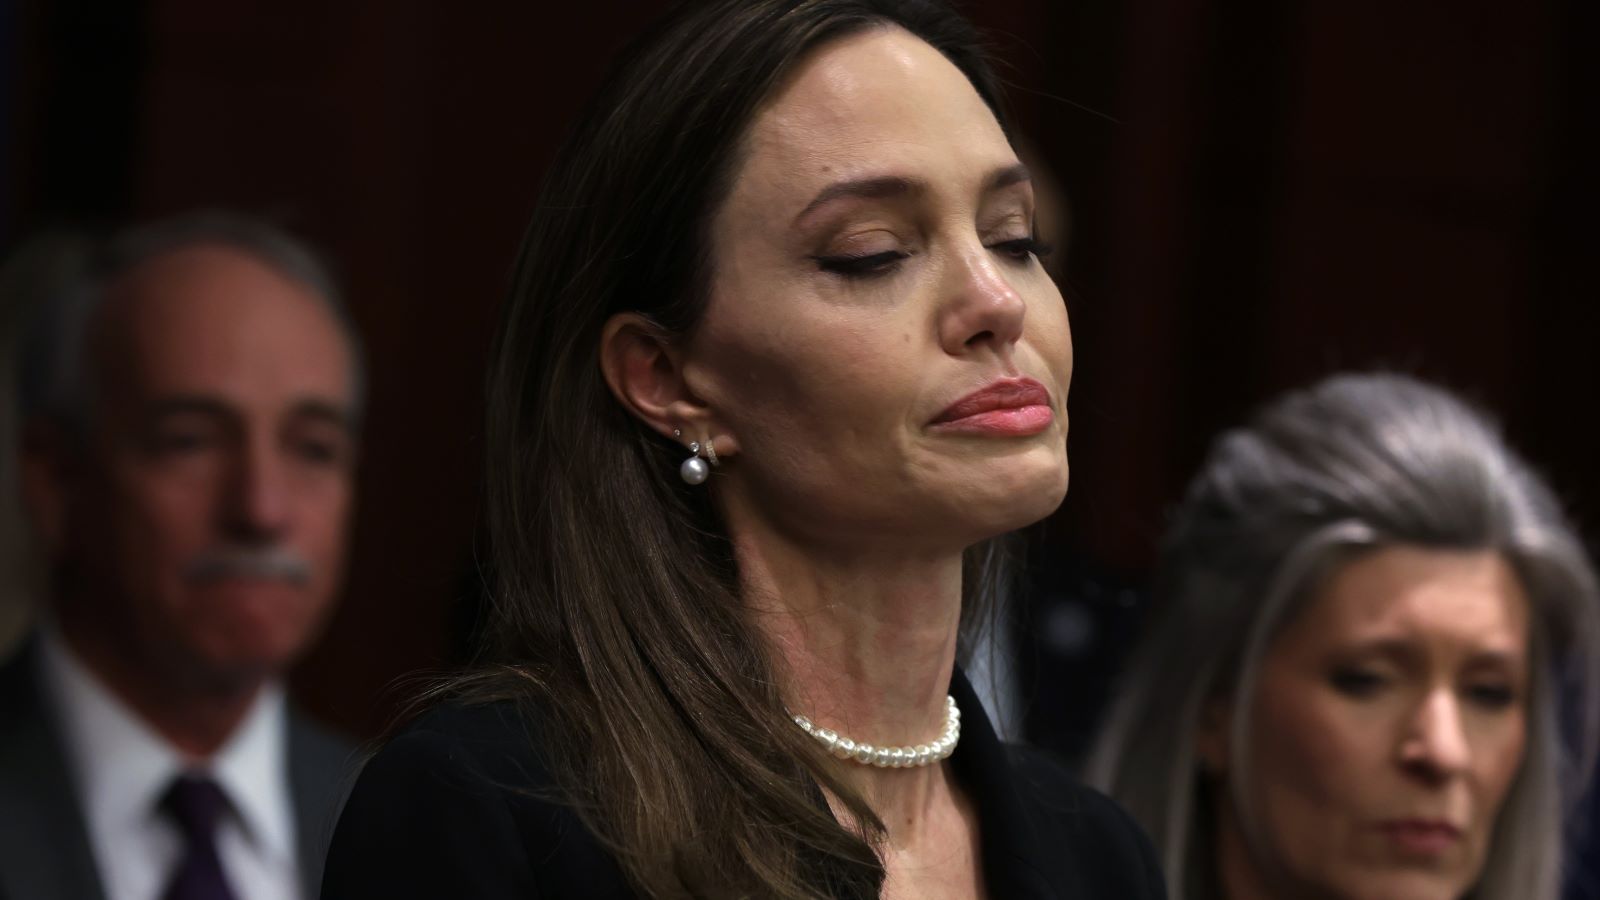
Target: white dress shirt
column 122, row 768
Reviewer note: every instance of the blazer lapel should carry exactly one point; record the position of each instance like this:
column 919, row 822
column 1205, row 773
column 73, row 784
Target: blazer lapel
column 1014, row 863
column 322, row 769
column 44, row 844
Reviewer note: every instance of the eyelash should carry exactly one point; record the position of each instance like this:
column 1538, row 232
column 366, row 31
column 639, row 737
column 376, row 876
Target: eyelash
column 1492, row 696
column 1356, row 682
column 882, row 263
column 1360, row 684
column 1022, row 248
column 861, row 266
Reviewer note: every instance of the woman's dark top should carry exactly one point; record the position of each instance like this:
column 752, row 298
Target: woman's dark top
column 444, row 811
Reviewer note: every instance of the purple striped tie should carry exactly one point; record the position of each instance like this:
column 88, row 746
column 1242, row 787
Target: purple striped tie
column 196, row 804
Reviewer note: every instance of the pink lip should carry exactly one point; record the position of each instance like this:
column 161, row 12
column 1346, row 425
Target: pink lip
column 1421, row 837
column 1009, row 407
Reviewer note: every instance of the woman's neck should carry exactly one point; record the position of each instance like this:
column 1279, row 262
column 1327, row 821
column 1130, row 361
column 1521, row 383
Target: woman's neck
column 867, row 645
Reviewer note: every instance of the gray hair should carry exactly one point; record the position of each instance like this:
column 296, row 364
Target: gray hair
column 54, row 379
column 1354, row 463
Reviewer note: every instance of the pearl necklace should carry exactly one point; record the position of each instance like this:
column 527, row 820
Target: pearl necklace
column 891, row 757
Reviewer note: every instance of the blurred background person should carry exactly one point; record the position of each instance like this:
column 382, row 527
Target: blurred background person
column 191, row 405
column 1374, row 666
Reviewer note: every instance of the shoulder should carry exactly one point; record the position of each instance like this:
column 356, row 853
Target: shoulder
column 31, row 739
column 451, row 754
column 458, row 804
column 475, row 741
column 1086, row 832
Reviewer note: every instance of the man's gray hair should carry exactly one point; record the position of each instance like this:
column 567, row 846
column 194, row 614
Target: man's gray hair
column 54, row 378
column 1355, row 463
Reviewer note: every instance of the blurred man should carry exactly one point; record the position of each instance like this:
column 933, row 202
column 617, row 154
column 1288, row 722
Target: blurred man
column 191, row 410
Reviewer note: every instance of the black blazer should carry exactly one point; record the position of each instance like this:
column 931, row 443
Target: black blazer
column 44, row 842
column 444, row 810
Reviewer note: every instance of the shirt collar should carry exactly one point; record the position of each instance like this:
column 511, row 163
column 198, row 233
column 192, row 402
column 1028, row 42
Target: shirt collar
column 122, row 765
column 253, row 768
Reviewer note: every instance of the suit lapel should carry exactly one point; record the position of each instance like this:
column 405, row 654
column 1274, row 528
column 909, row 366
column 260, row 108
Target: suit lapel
column 322, row 769
column 44, row 844
column 1014, row 863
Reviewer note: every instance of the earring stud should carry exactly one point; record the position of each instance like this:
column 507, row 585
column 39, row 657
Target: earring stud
column 694, row 469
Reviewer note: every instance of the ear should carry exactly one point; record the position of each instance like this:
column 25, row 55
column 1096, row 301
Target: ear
column 1211, row 737
column 644, row 368
column 47, row 472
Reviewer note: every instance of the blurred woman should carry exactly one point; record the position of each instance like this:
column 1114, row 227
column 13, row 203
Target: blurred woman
column 779, row 365
column 1374, row 668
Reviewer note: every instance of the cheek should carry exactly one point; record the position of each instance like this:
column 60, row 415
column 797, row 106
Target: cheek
column 1498, row 748
column 1315, row 764
column 825, row 383
column 322, row 532
column 1050, row 331
column 161, row 519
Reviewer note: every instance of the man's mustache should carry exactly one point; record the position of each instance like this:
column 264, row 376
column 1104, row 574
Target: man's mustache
column 262, row 563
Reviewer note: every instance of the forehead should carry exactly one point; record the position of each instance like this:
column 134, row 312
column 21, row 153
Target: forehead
column 217, row 321
column 1473, row 599
column 882, row 98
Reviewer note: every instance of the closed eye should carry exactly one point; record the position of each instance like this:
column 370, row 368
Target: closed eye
column 318, row 452
column 179, row 443
column 1020, row 249
column 864, row 266
column 1492, row 696
column 1357, row 683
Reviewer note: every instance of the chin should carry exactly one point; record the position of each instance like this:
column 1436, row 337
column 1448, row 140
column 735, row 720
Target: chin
column 251, row 647
column 1017, row 501
column 230, row 670
column 1413, row 885
column 1035, row 487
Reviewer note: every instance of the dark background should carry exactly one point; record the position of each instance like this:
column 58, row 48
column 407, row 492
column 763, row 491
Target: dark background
column 1259, row 192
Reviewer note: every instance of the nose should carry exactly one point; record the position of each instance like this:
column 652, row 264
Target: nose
column 982, row 310
column 1434, row 746
column 257, row 505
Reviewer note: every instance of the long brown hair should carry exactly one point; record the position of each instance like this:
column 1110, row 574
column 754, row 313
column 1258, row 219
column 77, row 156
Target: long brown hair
column 614, row 611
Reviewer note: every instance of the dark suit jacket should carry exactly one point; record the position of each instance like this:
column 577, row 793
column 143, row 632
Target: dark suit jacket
column 442, row 811
column 44, row 842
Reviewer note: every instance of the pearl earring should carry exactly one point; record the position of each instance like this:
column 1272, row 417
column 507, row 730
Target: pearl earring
column 694, row 469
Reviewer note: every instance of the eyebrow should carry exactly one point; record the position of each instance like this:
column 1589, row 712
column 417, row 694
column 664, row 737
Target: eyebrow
column 883, row 186
column 324, row 411
column 1405, row 649
column 186, row 405
column 195, row 404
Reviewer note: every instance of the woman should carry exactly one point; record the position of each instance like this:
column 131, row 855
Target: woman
column 780, row 362
column 1377, row 661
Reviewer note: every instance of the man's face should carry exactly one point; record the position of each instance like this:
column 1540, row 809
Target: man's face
column 205, row 521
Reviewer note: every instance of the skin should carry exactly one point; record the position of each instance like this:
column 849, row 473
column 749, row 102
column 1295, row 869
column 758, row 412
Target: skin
column 848, row 508
column 221, row 421
column 1399, row 693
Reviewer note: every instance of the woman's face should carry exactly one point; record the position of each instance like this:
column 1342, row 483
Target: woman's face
column 1389, row 724
column 881, row 344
